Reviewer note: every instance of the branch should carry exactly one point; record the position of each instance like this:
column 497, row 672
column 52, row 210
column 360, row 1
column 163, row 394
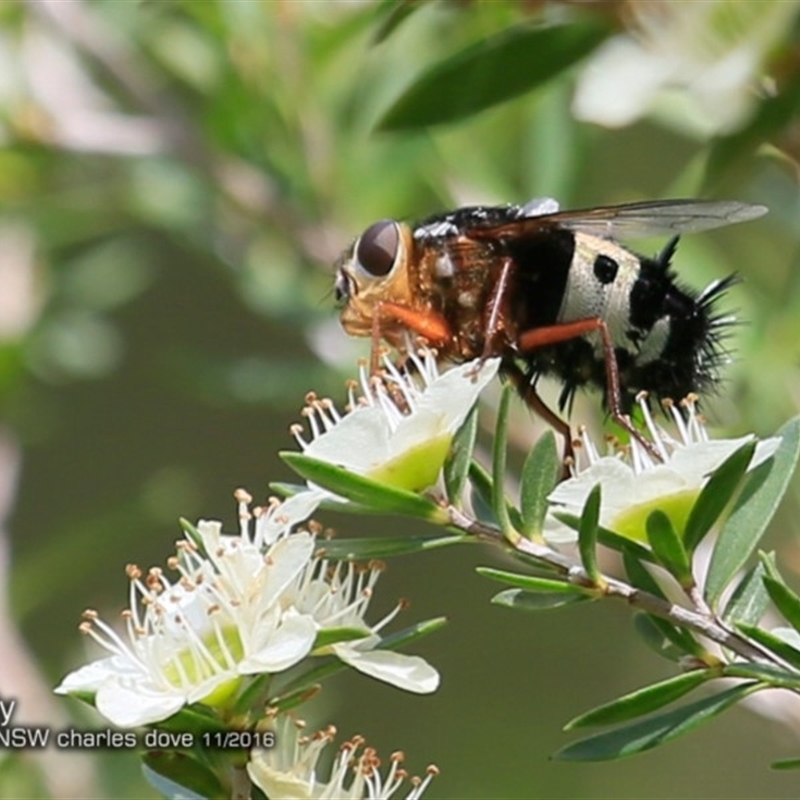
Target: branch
column 701, row 622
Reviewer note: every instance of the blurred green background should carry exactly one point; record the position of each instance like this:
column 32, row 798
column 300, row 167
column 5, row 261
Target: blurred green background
column 176, row 180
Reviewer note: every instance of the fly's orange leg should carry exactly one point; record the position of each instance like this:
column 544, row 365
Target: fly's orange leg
column 553, row 334
column 431, row 326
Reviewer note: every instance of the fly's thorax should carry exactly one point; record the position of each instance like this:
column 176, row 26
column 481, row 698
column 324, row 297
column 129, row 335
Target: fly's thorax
column 379, row 267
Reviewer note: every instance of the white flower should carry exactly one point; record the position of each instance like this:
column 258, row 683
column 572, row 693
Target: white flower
column 635, row 483
column 338, row 596
column 288, row 771
column 705, row 56
column 191, row 640
column 398, row 433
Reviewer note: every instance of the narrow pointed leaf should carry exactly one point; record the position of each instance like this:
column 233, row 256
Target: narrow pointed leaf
column 530, row 583
column 491, row 71
column 328, row 636
column 642, row 579
column 643, row 701
column 395, row 13
column 749, row 600
column 658, row 730
column 481, row 495
column 786, row 763
column 716, row 495
column 499, row 505
column 765, row 673
column 539, row 477
column 362, row 549
column 192, row 534
column 681, row 638
column 394, row 641
column 781, row 648
column 456, row 468
column 653, row 637
column 668, row 547
column 587, row 535
column 639, row 575
column 786, row 601
column 286, row 702
column 752, row 511
column 521, row 600
column 363, row 490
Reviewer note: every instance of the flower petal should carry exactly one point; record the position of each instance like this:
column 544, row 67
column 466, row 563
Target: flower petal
column 411, row 673
column 287, row 644
column 130, row 704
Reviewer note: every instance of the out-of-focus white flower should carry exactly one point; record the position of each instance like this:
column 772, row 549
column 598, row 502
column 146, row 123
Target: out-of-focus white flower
column 634, row 483
column 704, row 56
column 400, row 430
column 288, row 771
column 191, row 640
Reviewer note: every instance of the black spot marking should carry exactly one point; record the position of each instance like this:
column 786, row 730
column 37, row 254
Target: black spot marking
column 605, row 269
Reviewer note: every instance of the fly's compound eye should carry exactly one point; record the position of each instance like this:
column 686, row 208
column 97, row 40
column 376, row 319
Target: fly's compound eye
column 378, row 248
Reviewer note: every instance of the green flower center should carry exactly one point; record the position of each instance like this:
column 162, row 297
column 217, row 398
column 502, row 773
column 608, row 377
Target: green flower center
column 631, row 523
column 416, row 468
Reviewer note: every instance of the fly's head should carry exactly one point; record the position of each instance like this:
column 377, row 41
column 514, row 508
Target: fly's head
column 375, row 269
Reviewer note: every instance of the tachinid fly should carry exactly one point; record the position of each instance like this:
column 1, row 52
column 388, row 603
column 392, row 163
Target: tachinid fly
column 552, row 293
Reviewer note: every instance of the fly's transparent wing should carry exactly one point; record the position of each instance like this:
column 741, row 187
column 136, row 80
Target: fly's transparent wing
column 635, row 220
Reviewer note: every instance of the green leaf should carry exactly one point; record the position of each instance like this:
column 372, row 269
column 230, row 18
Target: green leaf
column 456, row 468
column 481, row 495
column 366, row 548
column 398, row 12
column 192, row 534
column 654, row 638
column 394, row 641
column 499, row 504
column 491, row 71
column 286, row 702
column 772, row 642
column 639, row 576
column 681, row 638
column 363, row 490
column 749, row 600
column 752, row 511
column 647, row 734
column 328, row 636
column 786, row 763
column 716, row 495
column 180, row 777
column 540, row 474
column 668, row 548
column 765, row 673
column 521, row 600
column 642, row 701
column 786, row 601
column 530, row 583
column 587, row 535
